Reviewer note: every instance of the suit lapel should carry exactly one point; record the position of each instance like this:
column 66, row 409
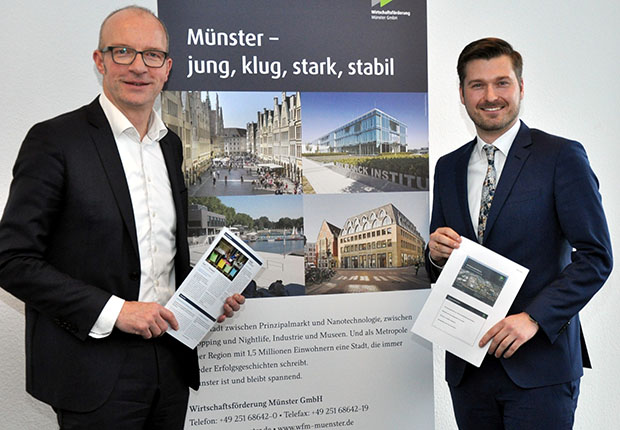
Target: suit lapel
column 177, row 185
column 518, row 154
column 172, row 164
column 112, row 164
column 461, row 189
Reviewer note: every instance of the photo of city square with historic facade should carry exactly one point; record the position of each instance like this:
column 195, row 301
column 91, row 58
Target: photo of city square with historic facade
column 237, row 143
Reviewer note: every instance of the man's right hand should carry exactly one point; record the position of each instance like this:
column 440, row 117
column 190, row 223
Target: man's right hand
column 441, row 244
column 145, row 319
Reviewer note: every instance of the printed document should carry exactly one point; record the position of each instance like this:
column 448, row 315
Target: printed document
column 227, row 267
column 473, row 292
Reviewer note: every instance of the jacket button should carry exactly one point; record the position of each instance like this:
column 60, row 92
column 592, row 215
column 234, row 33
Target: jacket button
column 134, row 276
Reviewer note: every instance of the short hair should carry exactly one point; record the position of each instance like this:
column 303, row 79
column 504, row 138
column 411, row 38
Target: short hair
column 138, row 9
column 487, row 49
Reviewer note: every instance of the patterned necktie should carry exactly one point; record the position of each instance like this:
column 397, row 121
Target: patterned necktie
column 488, row 190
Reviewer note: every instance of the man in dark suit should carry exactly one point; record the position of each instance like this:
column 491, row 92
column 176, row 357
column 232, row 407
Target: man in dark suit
column 533, row 198
column 94, row 241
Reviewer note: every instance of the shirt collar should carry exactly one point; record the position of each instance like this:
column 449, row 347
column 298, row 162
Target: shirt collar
column 502, row 143
column 120, row 124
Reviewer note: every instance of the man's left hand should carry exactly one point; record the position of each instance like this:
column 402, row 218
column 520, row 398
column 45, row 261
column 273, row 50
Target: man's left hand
column 509, row 334
column 231, row 305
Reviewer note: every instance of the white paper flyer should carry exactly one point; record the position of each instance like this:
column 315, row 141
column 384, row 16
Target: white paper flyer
column 225, row 268
column 473, row 292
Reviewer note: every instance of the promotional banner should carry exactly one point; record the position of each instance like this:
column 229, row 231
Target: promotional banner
column 305, row 132
column 317, row 45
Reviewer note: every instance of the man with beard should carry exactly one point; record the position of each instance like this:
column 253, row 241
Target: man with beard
column 533, row 198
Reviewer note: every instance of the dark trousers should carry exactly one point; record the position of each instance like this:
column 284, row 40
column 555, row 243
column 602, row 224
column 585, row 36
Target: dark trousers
column 150, row 393
column 487, row 399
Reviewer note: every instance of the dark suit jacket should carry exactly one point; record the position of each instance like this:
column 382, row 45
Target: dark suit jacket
column 67, row 242
column 546, row 203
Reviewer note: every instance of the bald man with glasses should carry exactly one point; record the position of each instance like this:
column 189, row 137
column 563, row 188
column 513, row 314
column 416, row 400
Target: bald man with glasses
column 94, row 241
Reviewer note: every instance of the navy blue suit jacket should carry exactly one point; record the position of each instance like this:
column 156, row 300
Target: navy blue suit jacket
column 547, row 216
column 67, row 242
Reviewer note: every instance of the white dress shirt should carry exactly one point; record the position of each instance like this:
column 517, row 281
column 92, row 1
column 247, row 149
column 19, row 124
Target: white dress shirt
column 477, row 168
column 153, row 209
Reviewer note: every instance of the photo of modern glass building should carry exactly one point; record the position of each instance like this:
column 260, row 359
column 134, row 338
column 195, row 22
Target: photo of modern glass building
column 374, row 132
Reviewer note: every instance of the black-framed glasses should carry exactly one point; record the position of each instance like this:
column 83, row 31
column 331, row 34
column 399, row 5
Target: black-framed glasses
column 125, row 56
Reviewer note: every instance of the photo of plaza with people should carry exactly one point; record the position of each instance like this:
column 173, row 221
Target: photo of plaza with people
column 237, row 143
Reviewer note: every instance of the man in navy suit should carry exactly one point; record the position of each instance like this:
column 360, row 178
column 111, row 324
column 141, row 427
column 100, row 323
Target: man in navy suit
column 533, row 198
column 94, row 240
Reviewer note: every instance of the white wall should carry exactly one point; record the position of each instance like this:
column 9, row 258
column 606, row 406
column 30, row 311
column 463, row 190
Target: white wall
column 570, row 51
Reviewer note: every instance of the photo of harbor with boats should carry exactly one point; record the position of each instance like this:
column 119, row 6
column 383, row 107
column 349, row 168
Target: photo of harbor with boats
column 279, row 241
column 271, row 225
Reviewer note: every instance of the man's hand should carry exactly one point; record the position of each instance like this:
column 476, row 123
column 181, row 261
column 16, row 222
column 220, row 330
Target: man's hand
column 441, row 244
column 509, row 334
column 145, row 319
column 231, row 305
